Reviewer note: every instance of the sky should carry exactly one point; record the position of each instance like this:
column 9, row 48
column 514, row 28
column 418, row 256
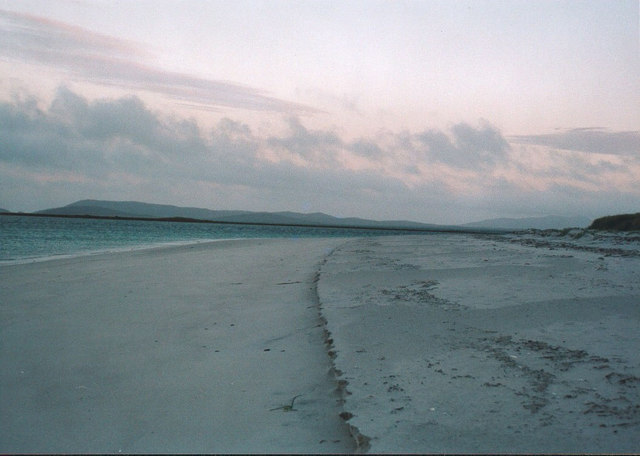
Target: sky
column 435, row 111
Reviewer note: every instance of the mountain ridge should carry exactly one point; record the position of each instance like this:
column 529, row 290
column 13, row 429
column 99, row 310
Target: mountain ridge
column 105, row 208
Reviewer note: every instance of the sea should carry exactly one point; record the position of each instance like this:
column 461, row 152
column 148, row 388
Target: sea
column 28, row 238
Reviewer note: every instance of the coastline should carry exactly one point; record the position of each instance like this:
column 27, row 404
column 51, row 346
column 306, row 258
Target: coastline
column 114, row 250
column 39, row 237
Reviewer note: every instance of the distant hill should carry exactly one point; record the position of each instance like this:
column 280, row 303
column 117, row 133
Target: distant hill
column 147, row 210
column 622, row 222
column 135, row 209
column 540, row 223
column 4, row 211
column 87, row 210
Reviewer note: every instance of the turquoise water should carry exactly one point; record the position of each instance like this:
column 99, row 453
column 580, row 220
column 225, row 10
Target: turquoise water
column 27, row 238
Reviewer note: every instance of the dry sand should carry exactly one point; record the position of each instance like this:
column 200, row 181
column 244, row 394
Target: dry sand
column 459, row 343
column 181, row 349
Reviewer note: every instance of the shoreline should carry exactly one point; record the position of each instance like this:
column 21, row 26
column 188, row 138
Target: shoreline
column 115, row 250
column 27, row 240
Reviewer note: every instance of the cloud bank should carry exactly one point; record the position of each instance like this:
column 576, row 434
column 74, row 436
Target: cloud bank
column 120, row 149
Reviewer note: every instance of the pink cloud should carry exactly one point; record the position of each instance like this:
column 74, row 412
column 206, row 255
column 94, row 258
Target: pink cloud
column 105, row 60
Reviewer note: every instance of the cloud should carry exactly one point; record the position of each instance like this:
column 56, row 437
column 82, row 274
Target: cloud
column 94, row 139
column 366, row 148
column 313, row 146
column 592, row 140
column 36, row 37
column 120, row 149
column 102, row 138
column 466, row 147
column 105, row 60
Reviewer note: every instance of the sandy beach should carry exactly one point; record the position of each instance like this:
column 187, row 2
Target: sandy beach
column 430, row 343
column 458, row 343
column 181, row 349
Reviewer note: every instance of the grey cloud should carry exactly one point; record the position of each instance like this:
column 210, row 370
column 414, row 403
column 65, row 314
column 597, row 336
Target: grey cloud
column 485, row 143
column 338, row 183
column 97, row 139
column 231, row 152
column 106, row 60
column 366, row 148
column 466, row 147
column 315, row 145
column 76, row 149
column 32, row 138
column 577, row 166
column 576, row 163
column 125, row 117
column 119, row 149
column 94, row 138
column 593, row 140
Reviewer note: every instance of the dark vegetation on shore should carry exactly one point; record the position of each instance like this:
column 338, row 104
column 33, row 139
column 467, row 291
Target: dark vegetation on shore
column 622, row 222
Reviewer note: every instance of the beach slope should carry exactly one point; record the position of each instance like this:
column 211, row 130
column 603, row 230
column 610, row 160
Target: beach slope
column 190, row 349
